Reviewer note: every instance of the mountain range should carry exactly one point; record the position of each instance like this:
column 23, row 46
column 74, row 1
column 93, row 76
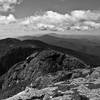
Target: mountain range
column 18, row 50
column 32, row 67
column 86, row 44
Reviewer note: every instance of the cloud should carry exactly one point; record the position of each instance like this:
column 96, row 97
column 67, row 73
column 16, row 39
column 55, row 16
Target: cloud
column 7, row 19
column 49, row 20
column 47, row 17
column 77, row 19
column 92, row 24
column 8, row 5
column 85, row 15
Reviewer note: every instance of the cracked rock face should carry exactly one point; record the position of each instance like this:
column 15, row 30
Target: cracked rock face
column 55, row 92
column 42, row 64
column 41, row 70
column 82, row 88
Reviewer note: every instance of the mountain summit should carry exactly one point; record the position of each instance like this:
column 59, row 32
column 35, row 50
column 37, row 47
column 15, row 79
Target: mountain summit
column 40, row 69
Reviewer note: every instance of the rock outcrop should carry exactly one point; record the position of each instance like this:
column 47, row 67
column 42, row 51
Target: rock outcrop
column 40, row 70
column 81, row 88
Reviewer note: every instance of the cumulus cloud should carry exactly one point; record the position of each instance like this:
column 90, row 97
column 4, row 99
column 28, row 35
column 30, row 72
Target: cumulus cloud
column 7, row 19
column 6, row 5
column 92, row 24
column 77, row 19
column 47, row 17
column 85, row 15
column 49, row 20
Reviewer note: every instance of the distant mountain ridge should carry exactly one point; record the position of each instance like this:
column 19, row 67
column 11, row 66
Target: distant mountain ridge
column 86, row 44
column 18, row 50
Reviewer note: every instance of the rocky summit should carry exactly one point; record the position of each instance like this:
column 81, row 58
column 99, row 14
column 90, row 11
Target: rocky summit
column 51, row 75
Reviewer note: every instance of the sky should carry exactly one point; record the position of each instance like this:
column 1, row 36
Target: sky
column 25, row 16
column 29, row 7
